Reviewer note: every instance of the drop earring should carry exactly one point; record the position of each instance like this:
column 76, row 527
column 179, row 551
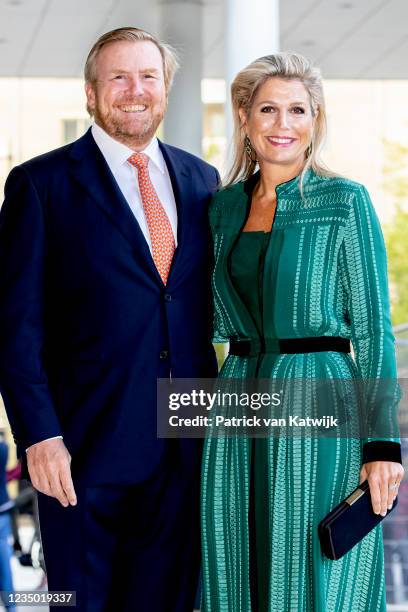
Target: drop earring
column 309, row 150
column 249, row 150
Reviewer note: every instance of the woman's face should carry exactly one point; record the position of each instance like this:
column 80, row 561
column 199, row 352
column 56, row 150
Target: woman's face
column 280, row 122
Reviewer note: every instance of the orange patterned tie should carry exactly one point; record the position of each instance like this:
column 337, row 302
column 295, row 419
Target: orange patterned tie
column 161, row 233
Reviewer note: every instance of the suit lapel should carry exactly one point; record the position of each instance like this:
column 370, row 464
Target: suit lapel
column 90, row 170
column 182, row 183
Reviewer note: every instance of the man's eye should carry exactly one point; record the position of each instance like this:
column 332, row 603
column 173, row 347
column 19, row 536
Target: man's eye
column 149, row 76
column 119, row 77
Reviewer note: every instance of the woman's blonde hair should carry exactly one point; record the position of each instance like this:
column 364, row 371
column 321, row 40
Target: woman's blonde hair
column 285, row 65
column 169, row 55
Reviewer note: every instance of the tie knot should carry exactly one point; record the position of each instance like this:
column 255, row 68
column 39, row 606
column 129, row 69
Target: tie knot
column 139, row 160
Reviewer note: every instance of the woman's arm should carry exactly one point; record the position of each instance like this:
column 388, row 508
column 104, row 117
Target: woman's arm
column 365, row 278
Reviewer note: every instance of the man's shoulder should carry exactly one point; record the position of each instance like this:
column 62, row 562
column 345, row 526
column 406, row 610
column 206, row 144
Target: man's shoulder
column 51, row 160
column 50, row 170
column 46, row 161
column 40, row 171
column 188, row 158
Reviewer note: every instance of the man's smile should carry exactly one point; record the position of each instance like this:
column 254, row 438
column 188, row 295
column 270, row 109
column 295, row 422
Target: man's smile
column 133, row 108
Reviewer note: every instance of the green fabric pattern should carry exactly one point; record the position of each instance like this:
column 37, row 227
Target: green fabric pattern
column 325, row 273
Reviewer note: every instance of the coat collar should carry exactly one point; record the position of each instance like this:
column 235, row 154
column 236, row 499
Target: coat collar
column 237, row 198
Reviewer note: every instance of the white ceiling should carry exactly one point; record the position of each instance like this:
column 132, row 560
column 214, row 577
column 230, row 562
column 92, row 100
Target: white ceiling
column 348, row 39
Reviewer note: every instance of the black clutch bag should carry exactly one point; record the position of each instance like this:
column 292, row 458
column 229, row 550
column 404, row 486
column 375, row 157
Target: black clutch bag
column 349, row 522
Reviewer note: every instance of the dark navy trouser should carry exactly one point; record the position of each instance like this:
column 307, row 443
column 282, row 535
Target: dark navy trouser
column 127, row 548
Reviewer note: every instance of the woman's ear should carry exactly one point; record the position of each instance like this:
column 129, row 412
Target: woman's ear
column 243, row 118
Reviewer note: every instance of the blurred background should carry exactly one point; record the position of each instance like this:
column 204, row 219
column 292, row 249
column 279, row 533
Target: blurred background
column 362, row 50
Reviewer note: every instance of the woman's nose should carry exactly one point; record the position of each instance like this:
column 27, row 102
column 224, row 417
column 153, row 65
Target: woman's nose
column 283, row 119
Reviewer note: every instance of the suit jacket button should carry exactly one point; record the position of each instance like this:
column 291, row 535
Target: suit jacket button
column 167, row 297
column 164, row 354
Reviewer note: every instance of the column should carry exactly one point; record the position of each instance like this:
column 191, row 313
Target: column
column 181, row 24
column 252, row 30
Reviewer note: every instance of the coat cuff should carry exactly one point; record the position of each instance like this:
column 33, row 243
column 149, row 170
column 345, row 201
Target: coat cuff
column 380, row 450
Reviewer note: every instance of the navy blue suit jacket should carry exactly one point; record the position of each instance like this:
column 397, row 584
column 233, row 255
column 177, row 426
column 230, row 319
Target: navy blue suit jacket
column 86, row 324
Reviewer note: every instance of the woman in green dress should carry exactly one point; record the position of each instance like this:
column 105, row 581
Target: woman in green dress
column 300, row 273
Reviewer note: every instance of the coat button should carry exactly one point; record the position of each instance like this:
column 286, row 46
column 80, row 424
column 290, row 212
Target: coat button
column 167, row 297
column 164, row 354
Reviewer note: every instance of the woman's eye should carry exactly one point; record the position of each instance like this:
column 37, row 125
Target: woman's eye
column 267, row 109
column 298, row 110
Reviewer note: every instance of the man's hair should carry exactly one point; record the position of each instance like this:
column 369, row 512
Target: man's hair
column 169, row 56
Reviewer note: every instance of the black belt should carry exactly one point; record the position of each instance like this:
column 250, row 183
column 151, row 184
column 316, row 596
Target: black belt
column 252, row 347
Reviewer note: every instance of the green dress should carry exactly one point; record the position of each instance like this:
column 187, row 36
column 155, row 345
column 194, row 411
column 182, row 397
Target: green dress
column 323, row 272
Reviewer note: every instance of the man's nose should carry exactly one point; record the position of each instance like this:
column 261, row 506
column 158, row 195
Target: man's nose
column 136, row 86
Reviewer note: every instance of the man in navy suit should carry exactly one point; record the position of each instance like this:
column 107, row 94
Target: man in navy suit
column 104, row 287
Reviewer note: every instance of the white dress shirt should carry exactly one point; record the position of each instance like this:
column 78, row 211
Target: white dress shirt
column 116, row 155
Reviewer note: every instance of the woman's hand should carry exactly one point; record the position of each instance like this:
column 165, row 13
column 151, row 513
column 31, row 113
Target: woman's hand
column 384, row 478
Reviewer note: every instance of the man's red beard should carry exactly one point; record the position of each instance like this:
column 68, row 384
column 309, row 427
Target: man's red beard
column 122, row 130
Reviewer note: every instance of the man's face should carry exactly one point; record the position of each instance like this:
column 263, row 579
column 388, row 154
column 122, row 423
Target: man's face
column 128, row 98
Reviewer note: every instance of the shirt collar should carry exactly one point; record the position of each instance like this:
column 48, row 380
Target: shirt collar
column 117, row 154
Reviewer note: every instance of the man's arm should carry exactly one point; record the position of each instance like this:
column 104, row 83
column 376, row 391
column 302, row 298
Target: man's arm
column 23, row 379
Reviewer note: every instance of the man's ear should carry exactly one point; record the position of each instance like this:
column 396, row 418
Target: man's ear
column 90, row 96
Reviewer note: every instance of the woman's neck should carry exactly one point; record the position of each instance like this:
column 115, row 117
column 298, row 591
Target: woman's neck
column 272, row 175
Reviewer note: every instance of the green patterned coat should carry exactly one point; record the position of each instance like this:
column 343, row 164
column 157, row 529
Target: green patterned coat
column 325, row 273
